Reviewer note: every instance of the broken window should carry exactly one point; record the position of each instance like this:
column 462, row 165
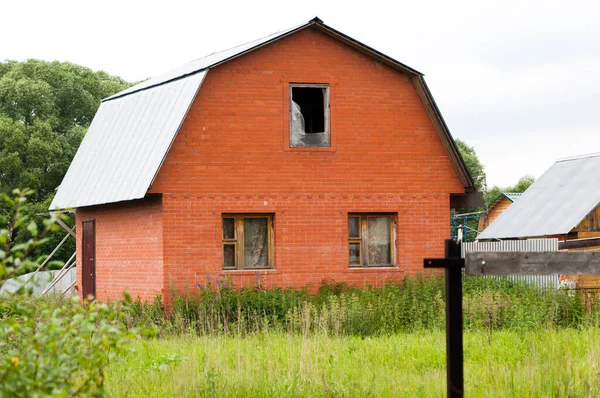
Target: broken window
column 247, row 241
column 309, row 115
column 371, row 240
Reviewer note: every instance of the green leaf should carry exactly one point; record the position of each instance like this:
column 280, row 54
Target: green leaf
column 32, row 228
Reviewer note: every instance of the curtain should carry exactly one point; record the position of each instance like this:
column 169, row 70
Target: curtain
column 256, row 246
column 378, row 241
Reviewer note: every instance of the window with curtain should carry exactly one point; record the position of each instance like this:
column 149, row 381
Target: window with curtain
column 371, row 240
column 247, row 241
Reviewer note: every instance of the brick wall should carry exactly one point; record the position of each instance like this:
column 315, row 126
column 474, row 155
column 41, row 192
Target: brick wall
column 129, row 254
column 232, row 155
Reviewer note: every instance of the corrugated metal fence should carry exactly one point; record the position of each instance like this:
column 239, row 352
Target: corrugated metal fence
column 40, row 282
column 529, row 245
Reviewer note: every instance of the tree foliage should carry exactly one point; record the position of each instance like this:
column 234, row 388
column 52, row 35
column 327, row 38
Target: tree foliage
column 477, row 172
column 521, row 186
column 50, row 347
column 45, row 109
column 474, row 166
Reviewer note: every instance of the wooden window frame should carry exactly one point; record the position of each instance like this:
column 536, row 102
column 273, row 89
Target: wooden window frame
column 326, row 111
column 238, row 240
column 363, row 237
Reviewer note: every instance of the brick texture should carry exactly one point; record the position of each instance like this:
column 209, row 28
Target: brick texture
column 129, row 254
column 232, row 155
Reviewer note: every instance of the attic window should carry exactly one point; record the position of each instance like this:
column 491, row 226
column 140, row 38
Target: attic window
column 309, row 115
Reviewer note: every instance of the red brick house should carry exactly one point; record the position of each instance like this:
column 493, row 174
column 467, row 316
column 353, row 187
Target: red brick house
column 296, row 158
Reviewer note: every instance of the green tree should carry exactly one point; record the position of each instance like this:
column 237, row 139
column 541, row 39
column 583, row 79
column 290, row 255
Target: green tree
column 521, row 186
column 474, row 166
column 45, row 110
column 477, row 172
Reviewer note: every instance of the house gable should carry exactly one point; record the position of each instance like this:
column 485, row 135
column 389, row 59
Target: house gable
column 236, row 136
column 590, row 226
column 79, row 188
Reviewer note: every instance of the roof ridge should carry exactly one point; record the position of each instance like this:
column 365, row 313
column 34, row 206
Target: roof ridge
column 280, row 31
column 585, row 156
column 216, row 58
column 195, row 66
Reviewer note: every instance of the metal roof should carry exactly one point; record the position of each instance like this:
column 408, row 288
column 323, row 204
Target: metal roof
column 217, row 58
column 205, row 62
column 554, row 204
column 512, row 196
column 117, row 159
column 125, row 145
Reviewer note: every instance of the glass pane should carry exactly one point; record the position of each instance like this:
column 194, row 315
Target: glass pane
column 256, row 247
column 354, row 253
column 228, row 256
column 228, row 228
column 353, row 227
column 378, row 250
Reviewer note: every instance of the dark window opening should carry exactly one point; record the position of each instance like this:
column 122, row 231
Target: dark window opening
column 309, row 116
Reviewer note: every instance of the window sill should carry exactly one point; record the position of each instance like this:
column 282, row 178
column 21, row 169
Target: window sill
column 248, row 271
column 367, row 269
column 310, row 149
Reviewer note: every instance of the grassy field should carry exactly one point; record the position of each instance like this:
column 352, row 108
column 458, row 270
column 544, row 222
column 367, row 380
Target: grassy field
column 546, row 363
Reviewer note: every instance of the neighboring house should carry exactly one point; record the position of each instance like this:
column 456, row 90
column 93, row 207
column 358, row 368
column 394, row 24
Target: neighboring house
column 300, row 157
column 496, row 208
column 562, row 203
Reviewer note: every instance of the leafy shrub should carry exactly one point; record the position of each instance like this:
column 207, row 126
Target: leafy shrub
column 414, row 304
column 50, row 346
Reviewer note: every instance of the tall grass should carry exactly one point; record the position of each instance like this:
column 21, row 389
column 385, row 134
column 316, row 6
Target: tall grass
column 415, row 304
column 552, row 363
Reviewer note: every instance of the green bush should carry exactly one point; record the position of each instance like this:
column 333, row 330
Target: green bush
column 50, row 346
column 414, row 304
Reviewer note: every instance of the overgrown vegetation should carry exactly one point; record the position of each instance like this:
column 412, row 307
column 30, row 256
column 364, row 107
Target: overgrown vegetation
column 415, row 304
column 50, row 347
column 542, row 363
column 368, row 341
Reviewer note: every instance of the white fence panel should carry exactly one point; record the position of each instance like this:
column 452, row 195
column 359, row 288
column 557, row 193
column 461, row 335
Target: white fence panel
column 40, row 281
column 529, row 245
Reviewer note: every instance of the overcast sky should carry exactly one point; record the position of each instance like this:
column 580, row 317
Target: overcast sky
column 518, row 80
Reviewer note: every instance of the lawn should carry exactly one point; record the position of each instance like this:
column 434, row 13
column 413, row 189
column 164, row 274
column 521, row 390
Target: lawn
column 542, row 363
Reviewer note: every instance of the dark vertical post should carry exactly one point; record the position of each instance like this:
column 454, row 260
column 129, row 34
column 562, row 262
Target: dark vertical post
column 454, row 323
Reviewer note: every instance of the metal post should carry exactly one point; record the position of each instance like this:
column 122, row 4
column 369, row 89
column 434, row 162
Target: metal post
column 454, row 323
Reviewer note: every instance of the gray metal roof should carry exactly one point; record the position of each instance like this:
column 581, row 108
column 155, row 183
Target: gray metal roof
column 205, row 62
column 125, row 145
column 217, row 58
column 554, row 204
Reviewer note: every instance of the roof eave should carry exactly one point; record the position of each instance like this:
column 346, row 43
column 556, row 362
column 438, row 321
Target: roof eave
column 361, row 47
column 444, row 134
